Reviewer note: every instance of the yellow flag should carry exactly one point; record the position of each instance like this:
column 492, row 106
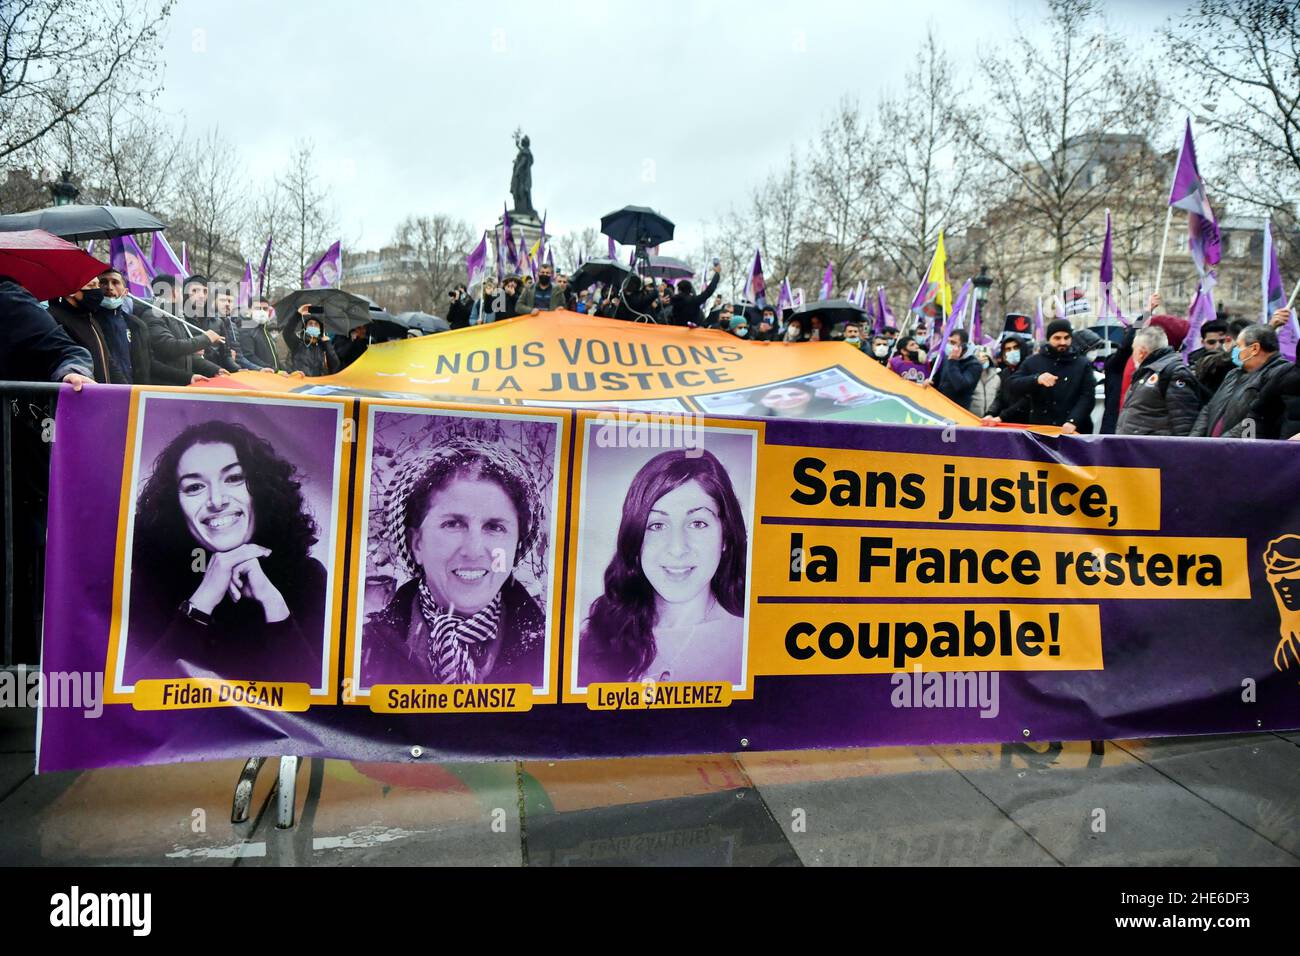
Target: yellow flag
column 938, row 277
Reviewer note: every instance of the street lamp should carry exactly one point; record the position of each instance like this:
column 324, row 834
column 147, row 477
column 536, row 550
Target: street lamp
column 981, row 283
column 64, row 192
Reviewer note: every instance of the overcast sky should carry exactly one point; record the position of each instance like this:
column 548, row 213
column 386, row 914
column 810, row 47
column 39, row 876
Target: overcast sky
column 682, row 105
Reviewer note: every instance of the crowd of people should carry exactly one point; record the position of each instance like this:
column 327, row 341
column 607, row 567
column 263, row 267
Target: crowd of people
column 1235, row 384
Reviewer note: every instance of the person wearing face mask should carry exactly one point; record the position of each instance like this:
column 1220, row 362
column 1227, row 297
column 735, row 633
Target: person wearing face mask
column 176, row 350
column 880, row 349
column 739, row 326
column 908, row 360
column 312, row 355
column 258, row 341
column 853, row 336
column 959, row 372
column 1236, row 409
column 77, row 314
column 989, row 384
column 793, row 330
column 1003, row 408
column 1058, row 381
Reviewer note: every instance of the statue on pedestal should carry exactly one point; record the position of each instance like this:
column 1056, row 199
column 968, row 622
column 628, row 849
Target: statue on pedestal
column 521, row 180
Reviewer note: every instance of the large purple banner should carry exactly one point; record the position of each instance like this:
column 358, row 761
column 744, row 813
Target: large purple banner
column 234, row 575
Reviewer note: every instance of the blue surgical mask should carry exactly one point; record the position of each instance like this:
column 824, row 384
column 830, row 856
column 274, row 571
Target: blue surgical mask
column 311, row 332
column 113, row 302
column 1236, row 356
column 1013, row 357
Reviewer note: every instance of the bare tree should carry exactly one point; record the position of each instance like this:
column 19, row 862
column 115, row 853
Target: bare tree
column 210, row 207
column 59, row 57
column 1241, row 63
column 1066, row 126
column 125, row 159
column 842, row 173
column 929, row 170
column 587, row 241
column 439, row 245
column 777, row 216
column 309, row 220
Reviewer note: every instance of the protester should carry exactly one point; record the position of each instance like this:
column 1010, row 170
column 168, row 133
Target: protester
column 352, row 346
column 199, row 311
column 312, row 354
column 76, row 312
column 1279, row 406
column 686, row 304
column 481, row 311
column 1235, row 410
column 1004, row 407
column 33, row 346
column 562, row 288
column 259, row 341
column 739, row 326
column 1164, row 398
column 959, row 372
column 176, row 347
column 793, row 330
column 1214, row 338
column 766, row 328
column 459, row 308
column 989, row 384
column 853, row 336
column 908, row 360
column 1058, row 381
column 229, row 323
column 545, row 295
column 817, row 329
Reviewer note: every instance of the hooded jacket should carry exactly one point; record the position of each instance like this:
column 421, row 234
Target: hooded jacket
column 686, row 307
column 1163, row 399
column 82, row 326
column 1070, row 400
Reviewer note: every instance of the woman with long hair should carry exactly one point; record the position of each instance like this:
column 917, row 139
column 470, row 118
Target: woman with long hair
column 674, row 601
column 222, row 578
column 460, row 517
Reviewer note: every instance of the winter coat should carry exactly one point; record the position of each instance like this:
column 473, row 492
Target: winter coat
column 1163, row 399
column 986, row 391
column 314, row 360
column 90, row 335
column 1072, row 397
column 175, row 349
column 34, row 347
column 686, row 308
column 957, row 378
column 1238, row 401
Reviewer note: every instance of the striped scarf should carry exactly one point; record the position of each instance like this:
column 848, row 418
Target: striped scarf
column 451, row 637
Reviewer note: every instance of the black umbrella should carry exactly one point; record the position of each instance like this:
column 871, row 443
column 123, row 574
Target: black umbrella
column 598, row 269
column 832, row 312
column 79, row 223
column 1113, row 331
column 422, row 322
column 636, row 226
column 666, row 267
column 341, row 311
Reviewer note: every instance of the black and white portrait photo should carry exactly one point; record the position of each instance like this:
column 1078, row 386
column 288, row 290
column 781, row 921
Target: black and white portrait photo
column 663, row 561
column 459, row 526
column 229, row 564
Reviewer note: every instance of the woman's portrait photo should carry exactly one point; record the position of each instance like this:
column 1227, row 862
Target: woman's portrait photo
column 664, row 564
column 231, row 535
column 458, row 530
column 830, row 395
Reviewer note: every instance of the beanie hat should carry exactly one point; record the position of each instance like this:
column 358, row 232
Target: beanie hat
column 737, row 321
column 1058, row 325
column 1176, row 328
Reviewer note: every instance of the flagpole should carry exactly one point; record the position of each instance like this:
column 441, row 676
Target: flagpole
column 1160, row 267
column 151, row 305
column 1291, row 301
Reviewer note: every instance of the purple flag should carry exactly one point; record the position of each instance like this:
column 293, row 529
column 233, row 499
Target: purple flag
column 1275, row 298
column 1202, row 311
column 1106, row 278
column 327, row 271
column 128, row 258
column 884, row 316
column 246, row 286
column 476, row 262
column 828, row 281
column 956, row 318
column 550, row 258
column 798, row 297
column 1040, row 330
column 508, row 240
column 1188, row 193
column 785, row 299
column 163, row 260
column 755, row 286
column 261, row 269
column 613, row 253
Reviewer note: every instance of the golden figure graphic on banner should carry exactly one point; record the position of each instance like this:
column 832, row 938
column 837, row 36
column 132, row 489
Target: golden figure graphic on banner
column 1282, row 566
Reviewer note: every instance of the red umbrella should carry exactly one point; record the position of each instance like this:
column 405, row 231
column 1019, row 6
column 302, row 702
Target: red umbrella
column 45, row 265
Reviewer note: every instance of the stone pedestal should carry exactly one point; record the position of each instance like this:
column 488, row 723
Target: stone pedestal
column 521, row 224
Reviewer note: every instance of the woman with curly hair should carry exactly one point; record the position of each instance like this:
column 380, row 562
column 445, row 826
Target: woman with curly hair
column 222, row 578
column 460, row 517
column 673, row 607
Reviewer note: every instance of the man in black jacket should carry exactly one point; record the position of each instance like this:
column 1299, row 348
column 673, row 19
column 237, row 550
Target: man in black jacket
column 257, row 340
column 686, row 304
column 959, row 371
column 1236, row 410
column 76, row 313
column 1058, row 382
column 176, row 349
column 1164, row 397
column 33, row 347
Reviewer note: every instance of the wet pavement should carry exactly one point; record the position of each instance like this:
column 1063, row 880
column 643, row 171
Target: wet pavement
column 1226, row 800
